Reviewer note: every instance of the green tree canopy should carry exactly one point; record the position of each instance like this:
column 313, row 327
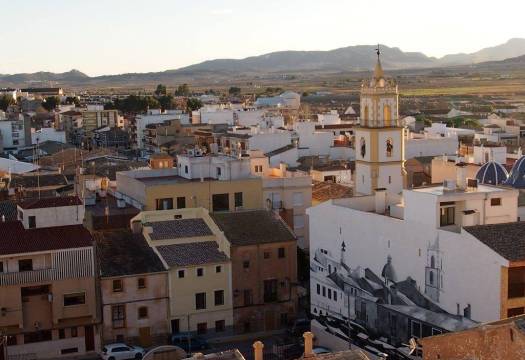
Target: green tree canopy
column 183, row 90
column 193, row 104
column 70, row 100
column 134, row 104
column 50, row 103
column 234, row 91
column 161, row 90
column 6, row 101
column 167, row 102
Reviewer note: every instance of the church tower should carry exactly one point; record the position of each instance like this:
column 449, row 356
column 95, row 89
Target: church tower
column 379, row 139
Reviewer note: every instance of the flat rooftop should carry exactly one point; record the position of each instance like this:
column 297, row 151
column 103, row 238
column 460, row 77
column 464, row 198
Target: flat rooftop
column 441, row 190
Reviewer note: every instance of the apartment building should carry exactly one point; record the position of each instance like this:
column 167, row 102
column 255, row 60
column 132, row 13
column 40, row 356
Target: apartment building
column 48, row 306
column 264, row 269
column 197, row 256
column 15, row 133
column 157, row 136
column 153, row 116
column 134, row 289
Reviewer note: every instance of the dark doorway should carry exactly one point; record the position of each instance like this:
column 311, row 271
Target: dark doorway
column 89, row 337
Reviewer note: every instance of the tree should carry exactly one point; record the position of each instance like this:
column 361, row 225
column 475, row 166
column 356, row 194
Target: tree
column 50, row 103
column 161, row 90
column 183, row 90
column 166, row 102
column 6, row 101
column 70, row 100
column 234, row 91
column 193, row 104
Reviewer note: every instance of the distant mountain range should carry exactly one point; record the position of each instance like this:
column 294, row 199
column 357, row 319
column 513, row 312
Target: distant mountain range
column 351, row 58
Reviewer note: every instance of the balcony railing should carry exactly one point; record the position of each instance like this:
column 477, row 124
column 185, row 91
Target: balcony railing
column 25, row 277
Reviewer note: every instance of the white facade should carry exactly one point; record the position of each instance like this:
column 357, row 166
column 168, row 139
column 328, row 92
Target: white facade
column 483, row 154
column 52, row 216
column 12, row 133
column 312, row 142
column 331, row 118
column 47, row 134
column 428, row 145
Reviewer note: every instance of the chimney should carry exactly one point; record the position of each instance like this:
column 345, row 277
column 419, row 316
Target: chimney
column 258, row 347
column 380, row 200
column 308, row 344
column 283, row 167
column 461, row 176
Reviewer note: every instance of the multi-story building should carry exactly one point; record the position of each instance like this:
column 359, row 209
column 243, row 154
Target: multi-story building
column 191, row 184
column 47, row 281
column 95, row 117
column 107, row 137
column 264, row 269
column 197, row 256
column 153, row 116
column 133, row 288
column 15, row 133
column 156, row 135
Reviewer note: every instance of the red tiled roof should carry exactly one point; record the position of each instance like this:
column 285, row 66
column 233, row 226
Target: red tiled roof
column 14, row 238
column 50, row 202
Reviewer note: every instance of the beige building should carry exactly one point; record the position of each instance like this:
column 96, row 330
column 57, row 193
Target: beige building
column 133, row 288
column 165, row 189
column 197, row 255
column 48, row 307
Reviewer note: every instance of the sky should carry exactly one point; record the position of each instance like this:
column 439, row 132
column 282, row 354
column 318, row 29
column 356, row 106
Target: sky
column 118, row 36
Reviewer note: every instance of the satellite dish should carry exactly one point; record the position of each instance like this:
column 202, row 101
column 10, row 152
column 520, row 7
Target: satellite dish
column 412, row 345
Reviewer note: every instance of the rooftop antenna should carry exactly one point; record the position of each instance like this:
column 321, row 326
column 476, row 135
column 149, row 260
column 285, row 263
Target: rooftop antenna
column 378, row 51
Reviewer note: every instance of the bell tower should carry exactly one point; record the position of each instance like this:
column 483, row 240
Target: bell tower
column 379, row 138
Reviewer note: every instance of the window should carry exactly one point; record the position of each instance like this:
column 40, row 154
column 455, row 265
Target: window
column 389, row 147
column 284, row 319
column 164, row 204
column 270, row 290
column 118, row 314
column 447, row 215
column 266, row 254
column 141, row 283
column 219, row 171
column 335, row 295
column 238, row 199
column 180, row 274
column 248, row 297
column 175, row 326
column 185, row 169
column 495, row 202
column 220, row 325
column 219, row 297
column 61, row 333
column 390, row 179
column 218, row 269
column 298, row 221
column 258, row 168
column 32, row 222
column 324, row 291
column 281, row 253
column 515, row 311
column 117, row 286
column 143, row 312
column 329, row 293
column 318, row 289
column 200, row 272
column 200, row 301
column 220, row 202
column 246, row 264
column 181, row 202
column 202, row 328
column 74, row 299
column 297, row 199
column 25, row 265
column 416, row 329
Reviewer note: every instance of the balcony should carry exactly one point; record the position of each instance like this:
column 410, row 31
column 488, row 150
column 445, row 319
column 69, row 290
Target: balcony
column 27, row 277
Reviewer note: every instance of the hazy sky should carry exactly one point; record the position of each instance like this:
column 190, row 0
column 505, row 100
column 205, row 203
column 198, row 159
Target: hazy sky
column 117, row 36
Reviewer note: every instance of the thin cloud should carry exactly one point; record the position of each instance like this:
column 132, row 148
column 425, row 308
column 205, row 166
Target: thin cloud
column 221, row 11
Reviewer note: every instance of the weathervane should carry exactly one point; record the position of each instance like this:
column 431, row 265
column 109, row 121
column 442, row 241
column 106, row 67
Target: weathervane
column 378, row 51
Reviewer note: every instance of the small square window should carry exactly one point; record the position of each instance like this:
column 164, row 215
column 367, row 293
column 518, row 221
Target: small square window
column 246, row 264
column 495, row 202
column 117, row 286
column 220, row 325
column 181, row 274
column 282, row 253
column 218, row 269
column 143, row 312
column 200, row 272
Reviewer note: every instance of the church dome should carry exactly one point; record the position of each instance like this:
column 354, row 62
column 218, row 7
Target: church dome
column 492, row 173
column 517, row 174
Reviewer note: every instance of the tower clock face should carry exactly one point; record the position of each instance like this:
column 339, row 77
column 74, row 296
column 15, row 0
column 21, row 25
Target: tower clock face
column 363, row 147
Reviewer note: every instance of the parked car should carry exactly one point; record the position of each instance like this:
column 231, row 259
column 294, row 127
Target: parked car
column 189, row 343
column 120, row 351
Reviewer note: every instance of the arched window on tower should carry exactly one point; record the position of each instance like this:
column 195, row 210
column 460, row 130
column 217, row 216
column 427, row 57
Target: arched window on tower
column 389, row 147
column 432, row 262
column 387, row 115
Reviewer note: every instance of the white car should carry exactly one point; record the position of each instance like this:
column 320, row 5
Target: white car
column 120, row 351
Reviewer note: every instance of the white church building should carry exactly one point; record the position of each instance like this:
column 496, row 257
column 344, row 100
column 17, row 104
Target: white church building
column 409, row 263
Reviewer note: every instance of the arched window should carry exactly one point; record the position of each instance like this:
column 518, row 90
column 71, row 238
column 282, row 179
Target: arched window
column 387, row 114
column 432, row 262
column 389, row 147
column 363, row 147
